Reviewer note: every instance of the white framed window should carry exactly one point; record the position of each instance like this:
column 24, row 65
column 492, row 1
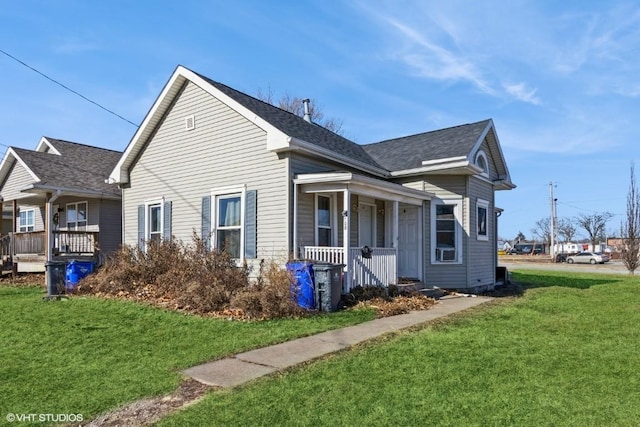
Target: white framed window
column 446, row 231
column 482, row 163
column 482, row 219
column 27, row 220
column 154, row 223
column 77, row 215
column 229, row 223
column 325, row 221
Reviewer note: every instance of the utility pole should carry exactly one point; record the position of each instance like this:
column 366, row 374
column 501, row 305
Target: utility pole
column 552, row 223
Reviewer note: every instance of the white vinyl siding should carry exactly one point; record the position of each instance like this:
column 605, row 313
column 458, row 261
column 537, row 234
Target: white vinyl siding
column 482, row 251
column 17, row 179
column 224, row 150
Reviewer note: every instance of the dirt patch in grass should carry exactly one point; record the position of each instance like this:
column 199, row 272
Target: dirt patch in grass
column 22, row 279
column 147, row 411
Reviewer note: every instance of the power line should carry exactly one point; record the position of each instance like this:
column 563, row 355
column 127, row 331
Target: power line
column 67, row 88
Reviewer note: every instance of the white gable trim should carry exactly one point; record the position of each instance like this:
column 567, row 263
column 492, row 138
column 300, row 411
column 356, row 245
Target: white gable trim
column 6, row 164
column 276, row 139
column 44, row 144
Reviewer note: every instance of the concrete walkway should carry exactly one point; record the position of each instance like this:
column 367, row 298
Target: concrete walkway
column 253, row 364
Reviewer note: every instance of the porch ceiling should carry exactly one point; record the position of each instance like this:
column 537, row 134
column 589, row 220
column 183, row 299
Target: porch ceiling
column 358, row 184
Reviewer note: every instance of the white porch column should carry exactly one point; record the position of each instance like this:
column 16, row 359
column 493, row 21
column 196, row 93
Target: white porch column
column 346, row 229
column 395, row 232
column 295, row 222
column 395, row 236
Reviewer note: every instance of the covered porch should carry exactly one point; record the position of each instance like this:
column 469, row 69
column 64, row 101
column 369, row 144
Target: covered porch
column 370, row 226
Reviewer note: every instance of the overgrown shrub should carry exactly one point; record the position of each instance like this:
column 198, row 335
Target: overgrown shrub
column 192, row 278
column 270, row 296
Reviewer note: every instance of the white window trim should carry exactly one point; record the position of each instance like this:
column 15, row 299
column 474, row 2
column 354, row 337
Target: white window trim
column 332, row 214
column 483, row 155
column 26, row 226
column 457, row 212
column 228, row 191
column 76, row 222
column 147, row 219
column 481, row 203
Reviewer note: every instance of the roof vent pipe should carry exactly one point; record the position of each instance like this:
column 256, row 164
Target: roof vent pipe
column 307, row 116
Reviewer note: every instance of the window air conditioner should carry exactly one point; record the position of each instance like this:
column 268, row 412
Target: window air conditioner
column 446, row 254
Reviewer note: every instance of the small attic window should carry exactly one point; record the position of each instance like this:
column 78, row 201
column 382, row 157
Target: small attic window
column 190, row 122
column 481, row 162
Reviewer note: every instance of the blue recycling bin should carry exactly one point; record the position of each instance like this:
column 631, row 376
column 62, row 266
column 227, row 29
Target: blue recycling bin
column 302, row 289
column 75, row 271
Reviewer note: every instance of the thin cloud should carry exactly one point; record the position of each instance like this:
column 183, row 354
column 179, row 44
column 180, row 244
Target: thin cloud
column 436, row 62
column 521, row 92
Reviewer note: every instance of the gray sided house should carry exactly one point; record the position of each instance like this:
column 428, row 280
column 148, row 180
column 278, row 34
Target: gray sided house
column 263, row 183
column 59, row 203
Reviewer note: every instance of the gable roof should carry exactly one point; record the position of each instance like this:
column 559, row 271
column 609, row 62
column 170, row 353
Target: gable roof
column 448, row 150
column 285, row 131
column 63, row 165
column 297, row 127
column 409, row 152
column 441, row 151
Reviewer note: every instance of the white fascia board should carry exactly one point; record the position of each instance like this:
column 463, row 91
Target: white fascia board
column 462, row 166
column 312, row 178
column 44, row 143
column 40, row 189
column 309, row 148
column 6, row 165
column 481, row 138
column 443, row 161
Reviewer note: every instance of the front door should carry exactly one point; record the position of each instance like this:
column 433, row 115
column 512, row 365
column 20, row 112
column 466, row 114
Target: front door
column 366, row 226
column 409, row 236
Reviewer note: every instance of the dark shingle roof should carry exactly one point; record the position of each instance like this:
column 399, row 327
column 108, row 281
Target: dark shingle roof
column 410, row 151
column 295, row 126
column 78, row 166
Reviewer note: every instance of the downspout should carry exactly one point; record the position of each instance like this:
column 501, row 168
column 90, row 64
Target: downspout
column 49, row 221
column 51, row 286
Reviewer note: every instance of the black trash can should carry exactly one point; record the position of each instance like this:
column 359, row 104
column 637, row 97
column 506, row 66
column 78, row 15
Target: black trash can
column 328, row 285
column 55, row 272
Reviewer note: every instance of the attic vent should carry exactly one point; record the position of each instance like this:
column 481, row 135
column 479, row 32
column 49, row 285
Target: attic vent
column 190, row 122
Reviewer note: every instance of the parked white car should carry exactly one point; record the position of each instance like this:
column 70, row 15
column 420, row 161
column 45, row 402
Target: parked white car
column 587, row 258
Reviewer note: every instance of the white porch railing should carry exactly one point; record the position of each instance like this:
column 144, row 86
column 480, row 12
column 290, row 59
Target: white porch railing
column 379, row 270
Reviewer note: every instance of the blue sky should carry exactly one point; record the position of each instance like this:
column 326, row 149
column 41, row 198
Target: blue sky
column 561, row 80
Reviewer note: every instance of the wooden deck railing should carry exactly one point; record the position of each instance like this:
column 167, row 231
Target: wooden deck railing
column 64, row 243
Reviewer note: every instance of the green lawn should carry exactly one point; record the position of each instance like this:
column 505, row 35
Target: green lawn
column 564, row 354
column 87, row 355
